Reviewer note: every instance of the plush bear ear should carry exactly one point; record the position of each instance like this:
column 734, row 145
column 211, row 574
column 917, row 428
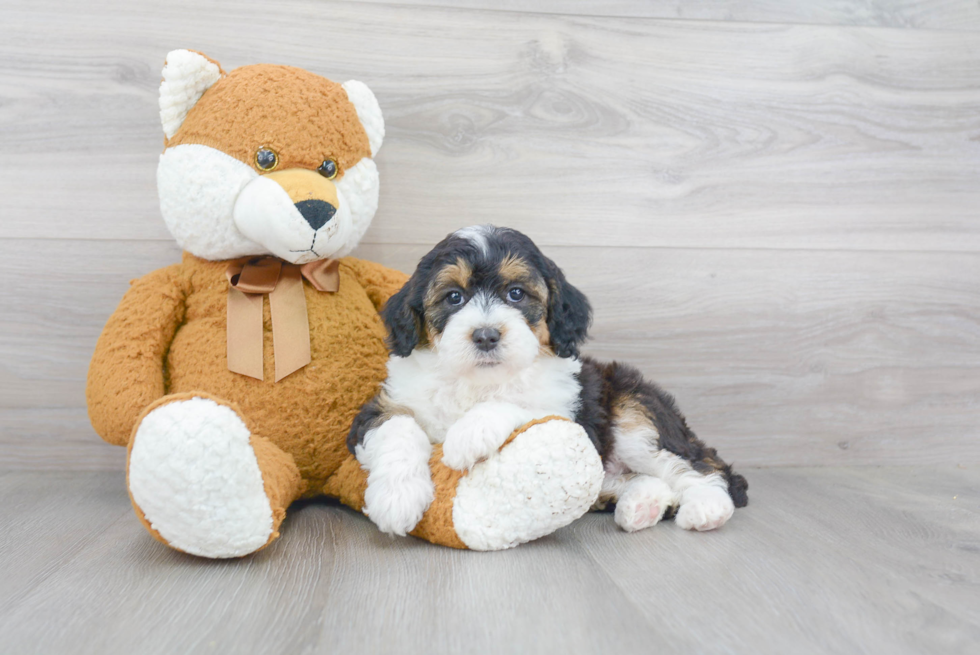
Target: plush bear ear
column 368, row 111
column 569, row 313
column 186, row 76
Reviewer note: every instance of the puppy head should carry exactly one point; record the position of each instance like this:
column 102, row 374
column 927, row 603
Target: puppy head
column 488, row 302
column 266, row 160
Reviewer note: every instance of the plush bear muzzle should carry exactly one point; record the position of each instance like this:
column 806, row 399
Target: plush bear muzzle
column 297, row 214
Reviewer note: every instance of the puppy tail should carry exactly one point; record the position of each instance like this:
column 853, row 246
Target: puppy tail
column 738, row 487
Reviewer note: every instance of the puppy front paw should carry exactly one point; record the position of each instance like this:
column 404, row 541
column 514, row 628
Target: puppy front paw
column 704, row 508
column 396, row 508
column 478, row 435
column 399, row 485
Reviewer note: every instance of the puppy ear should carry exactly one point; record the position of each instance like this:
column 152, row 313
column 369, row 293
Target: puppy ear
column 186, row 76
column 569, row 314
column 403, row 322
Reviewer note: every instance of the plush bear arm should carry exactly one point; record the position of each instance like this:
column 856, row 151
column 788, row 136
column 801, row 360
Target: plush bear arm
column 126, row 373
column 380, row 282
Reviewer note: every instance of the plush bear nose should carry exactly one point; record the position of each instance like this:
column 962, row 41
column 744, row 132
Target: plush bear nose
column 316, row 212
column 486, row 339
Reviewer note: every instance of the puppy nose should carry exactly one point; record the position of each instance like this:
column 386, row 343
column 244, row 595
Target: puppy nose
column 486, row 338
column 316, row 212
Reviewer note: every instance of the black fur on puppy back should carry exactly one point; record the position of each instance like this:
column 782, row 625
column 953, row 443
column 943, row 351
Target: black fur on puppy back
column 607, row 387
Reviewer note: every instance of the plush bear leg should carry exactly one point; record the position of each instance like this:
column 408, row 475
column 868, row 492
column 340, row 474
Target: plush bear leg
column 202, row 483
column 546, row 475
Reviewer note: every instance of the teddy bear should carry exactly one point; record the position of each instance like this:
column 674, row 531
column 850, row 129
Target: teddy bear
column 233, row 376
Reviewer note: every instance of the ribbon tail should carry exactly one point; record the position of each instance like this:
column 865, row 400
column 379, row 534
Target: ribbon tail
column 290, row 323
column 245, row 333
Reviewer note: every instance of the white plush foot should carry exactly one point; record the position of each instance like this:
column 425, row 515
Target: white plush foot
column 704, row 508
column 399, row 486
column 194, row 475
column 543, row 480
column 643, row 503
column 480, row 433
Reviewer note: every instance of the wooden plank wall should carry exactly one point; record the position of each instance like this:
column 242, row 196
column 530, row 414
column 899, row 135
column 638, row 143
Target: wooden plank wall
column 774, row 206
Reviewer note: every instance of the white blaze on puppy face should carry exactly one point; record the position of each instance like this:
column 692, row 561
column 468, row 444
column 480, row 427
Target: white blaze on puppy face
column 517, row 349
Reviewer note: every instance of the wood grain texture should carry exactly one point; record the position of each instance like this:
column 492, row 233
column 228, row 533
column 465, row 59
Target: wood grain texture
column 822, row 560
column 932, row 14
column 46, row 522
column 777, row 357
column 591, row 130
column 827, row 561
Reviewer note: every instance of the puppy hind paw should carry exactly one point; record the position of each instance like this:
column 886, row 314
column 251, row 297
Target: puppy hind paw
column 704, row 509
column 643, row 503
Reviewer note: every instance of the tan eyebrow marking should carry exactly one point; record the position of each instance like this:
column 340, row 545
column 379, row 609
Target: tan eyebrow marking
column 457, row 274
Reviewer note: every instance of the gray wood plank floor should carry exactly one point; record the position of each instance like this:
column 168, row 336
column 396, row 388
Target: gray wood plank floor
column 832, row 560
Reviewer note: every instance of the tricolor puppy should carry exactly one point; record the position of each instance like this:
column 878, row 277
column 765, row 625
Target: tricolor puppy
column 484, row 338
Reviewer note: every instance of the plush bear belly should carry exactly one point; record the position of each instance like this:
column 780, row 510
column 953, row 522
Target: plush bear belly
column 308, row 413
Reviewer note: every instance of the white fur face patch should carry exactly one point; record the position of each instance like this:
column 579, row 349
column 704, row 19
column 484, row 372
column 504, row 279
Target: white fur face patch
column 517, row 349
column 198, row 187
column 357, row 192
column 478, row 235
column 217, row 208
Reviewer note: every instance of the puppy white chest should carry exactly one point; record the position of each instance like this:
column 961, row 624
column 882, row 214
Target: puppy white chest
column 437, row 399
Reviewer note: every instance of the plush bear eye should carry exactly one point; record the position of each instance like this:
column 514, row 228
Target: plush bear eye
column 454, row 298
column 328, row 169
column 266, row 159
column 515, row 295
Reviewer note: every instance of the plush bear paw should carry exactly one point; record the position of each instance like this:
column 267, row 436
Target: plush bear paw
column 544, row 479
column 194, row 476
column 704, row 508
column 643, row 503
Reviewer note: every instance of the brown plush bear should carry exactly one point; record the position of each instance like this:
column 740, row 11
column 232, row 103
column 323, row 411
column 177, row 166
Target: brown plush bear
column 233, row 376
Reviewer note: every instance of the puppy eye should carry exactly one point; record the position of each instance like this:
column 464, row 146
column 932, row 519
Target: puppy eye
column 328, row 169
column 515, row 295
column 266, row 159
column 454, row 298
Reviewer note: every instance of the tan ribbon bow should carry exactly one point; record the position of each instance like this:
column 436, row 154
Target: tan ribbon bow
column 250, row 278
